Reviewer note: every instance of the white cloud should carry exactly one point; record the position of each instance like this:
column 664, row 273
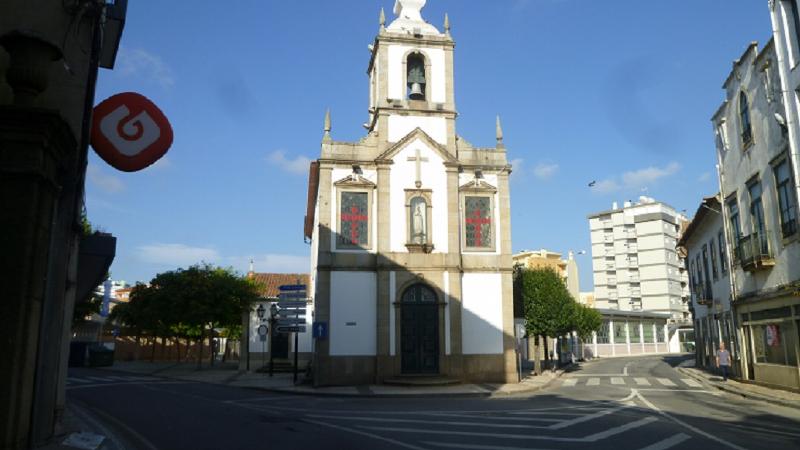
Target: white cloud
column 161, row 164
column 545, row 171
column 298, row 165
column 638, row 180
column 176, row 255
column 143, row 64
column 271, row 263
column 705, row 176
column 107, row 183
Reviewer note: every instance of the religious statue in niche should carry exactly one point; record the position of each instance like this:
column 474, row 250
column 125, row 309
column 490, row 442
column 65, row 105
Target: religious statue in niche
column 419, row 231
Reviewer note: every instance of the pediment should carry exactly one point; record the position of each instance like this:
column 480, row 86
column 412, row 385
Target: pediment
column 477, row 185
column 418, row 133
column 355, row 180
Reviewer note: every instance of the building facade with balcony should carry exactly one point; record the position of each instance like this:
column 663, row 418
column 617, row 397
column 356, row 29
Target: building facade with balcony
column 757, row 169
column 707, row 263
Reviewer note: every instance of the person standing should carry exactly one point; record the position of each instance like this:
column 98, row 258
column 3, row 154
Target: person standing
column 723, row 361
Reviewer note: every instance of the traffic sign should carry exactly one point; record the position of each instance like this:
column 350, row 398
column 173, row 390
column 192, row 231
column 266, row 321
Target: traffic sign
column 292, row 287
column 263, row 330
column 292, row 295
column 320, row 330
column 291, row 329
column 291, row 322
column 292, row 304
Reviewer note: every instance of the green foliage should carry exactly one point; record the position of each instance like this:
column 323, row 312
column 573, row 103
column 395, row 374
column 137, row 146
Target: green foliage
column 86, row 308
column 187, row 302
column 587, row 320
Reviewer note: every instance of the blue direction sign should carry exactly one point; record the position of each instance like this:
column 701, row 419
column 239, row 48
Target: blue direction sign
column 293, row 304
column 291, row 322
column 290, row 329
column 292, row 295
column 320, row 330
column 292, row 287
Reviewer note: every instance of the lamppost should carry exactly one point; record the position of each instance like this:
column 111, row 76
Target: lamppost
column 260, row 312
column 273, row 311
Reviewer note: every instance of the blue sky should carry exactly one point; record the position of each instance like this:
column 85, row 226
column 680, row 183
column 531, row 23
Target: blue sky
column 617, row 91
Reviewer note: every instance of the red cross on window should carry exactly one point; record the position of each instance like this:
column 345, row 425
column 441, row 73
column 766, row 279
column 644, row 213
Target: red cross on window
column 353, row 219
column 477, row 221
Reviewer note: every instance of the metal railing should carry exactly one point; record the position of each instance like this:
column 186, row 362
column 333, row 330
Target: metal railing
column 754, row 251
column 703, row 294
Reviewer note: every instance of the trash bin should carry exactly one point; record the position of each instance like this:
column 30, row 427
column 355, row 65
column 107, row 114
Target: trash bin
column 100, row 356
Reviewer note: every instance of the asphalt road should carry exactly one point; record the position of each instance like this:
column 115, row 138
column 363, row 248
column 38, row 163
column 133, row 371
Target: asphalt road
column 624, row 403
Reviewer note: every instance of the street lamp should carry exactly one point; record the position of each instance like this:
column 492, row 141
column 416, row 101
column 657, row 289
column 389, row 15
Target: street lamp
column 260, row 311
column 273, row 311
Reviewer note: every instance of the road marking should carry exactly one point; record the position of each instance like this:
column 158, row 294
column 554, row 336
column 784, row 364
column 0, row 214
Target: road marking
column 535, row 437
column 597, row 375
column 77, row 380
column 570, row 382
column 691, row 382
column 485, row 417
column 625, row 369
column 680, row 422
column 698, row 391
column 476, row 447
column 641, row 381
column 586, row 418
column 104, row 380
column 85, row 386
column 593, row 382
column 428, row 422
column 666, row 382
column 668, row 442
column 363, row 433
column 617, row 380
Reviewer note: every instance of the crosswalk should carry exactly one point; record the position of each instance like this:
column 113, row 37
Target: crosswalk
column 93, row 380
column 630, row 381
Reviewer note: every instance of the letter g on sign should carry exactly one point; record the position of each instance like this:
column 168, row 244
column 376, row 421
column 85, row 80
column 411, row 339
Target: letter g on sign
column 129, row 132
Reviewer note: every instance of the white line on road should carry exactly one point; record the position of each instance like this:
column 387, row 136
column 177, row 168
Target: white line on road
column 625, row 369
column 476, row 447
column 593, row 382
column 680, row 422
column 698, row 391
column 666, row 381
column 597, row 375
column 570, row 382
column 586, row 418
column 428, row 422
column 485, row 417
column 641, row 381
column 617, row 380
column 104, row 380
column 77, row 380
column 691, row 382
column 620, row 429
column 668, row 442
column 363, row 433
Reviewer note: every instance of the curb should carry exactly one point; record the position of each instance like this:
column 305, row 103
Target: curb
column 739, row 392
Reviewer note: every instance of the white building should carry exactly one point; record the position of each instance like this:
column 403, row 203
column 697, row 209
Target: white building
column 410, row 228
column 634, row 260
column 756, row 128
column 707, row 261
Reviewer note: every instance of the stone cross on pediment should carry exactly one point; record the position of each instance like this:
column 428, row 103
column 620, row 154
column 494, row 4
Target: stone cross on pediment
column 418, row 159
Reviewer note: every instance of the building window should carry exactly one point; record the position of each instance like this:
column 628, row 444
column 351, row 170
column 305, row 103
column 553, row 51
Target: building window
column 647, row 332
column 602, row 334
column 723, row 255
column 733, row 216
column 795, row 23
column 354, row 220
column 707, row 284
column 786, row 202
column 478, row 222
column 714, row 265
column 756, row 208
column 619, row 333
column 415, row 77
column 636, row 336
column 744, row 120
column 774, row 343
column 660, row 337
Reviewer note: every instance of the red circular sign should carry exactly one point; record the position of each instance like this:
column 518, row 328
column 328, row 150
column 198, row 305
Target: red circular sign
column 129, row 131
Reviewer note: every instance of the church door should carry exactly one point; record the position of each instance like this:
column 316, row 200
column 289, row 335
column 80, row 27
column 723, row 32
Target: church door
column 419, row 328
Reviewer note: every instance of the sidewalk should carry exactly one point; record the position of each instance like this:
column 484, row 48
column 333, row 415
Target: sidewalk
column 747, row 390
column 228, row 375
column 79, row 430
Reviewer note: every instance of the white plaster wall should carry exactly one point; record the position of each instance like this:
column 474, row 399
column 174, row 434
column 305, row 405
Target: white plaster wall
column 339, row 174
column 482, row 314
column 400, row 126
column 353, row 314
column 435, row 57
column 403, row 175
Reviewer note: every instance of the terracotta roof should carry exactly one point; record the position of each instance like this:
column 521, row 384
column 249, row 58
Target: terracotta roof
column 271, row 281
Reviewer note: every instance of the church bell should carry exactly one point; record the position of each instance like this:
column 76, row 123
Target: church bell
column 416, row 92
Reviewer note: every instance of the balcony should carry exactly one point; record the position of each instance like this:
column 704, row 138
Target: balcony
column 789, row 227
column 703, row 294
column 754, row 252
column 633, row 249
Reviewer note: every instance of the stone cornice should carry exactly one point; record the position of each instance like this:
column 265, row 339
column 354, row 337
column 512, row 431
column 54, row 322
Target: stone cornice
column 418, row 133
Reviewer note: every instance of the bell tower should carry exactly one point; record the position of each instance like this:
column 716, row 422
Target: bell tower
column 411, row 78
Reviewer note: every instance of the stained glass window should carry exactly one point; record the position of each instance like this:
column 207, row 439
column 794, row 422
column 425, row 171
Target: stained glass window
column 354, row 219
column 478, row 222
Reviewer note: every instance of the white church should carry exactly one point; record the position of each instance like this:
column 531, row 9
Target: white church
column 410, row 230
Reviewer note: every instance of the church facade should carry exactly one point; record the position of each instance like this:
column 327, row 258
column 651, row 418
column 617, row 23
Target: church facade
column 410, row 231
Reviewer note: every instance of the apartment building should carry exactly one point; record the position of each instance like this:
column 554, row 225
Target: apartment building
column 756, row 129
column 634, row 260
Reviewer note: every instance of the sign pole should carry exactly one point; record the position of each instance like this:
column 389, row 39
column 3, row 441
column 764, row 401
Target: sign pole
column 271, row 341
column 295, row 357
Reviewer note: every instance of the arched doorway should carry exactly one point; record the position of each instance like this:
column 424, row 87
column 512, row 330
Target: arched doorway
column 419, row 331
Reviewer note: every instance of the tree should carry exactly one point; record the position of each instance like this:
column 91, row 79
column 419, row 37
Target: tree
column 548, row 306
column 588, row 320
